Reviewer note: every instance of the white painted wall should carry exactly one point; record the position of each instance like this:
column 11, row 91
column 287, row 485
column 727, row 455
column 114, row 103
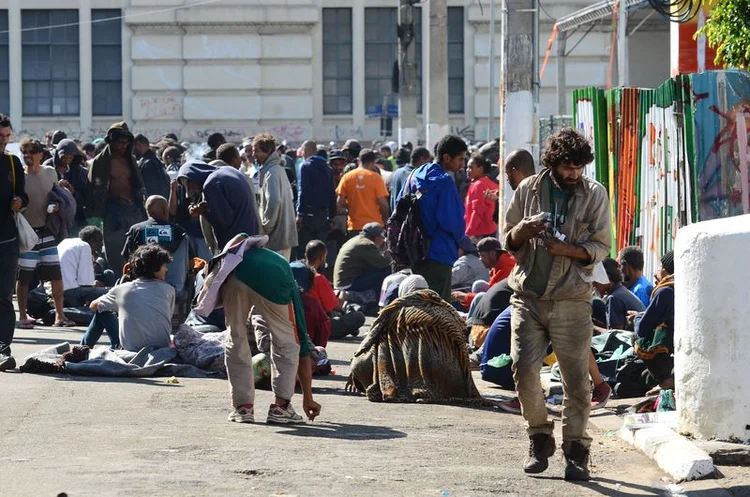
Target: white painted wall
column 712, row 341
column 240, row 67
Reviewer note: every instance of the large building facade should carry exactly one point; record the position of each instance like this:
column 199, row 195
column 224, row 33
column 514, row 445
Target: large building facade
column 297, row 68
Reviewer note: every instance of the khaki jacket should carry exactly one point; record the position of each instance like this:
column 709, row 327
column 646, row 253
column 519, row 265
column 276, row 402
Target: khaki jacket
column 587, row 225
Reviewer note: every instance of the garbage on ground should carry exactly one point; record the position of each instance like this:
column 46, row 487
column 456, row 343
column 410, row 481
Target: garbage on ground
column 648, row 419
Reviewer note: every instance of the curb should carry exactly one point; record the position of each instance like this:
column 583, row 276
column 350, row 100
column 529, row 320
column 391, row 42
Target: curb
column 673, row 453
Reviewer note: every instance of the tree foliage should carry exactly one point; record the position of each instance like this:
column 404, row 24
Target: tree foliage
column 728, row 31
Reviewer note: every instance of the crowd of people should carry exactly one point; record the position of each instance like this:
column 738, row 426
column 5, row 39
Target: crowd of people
column 311, row 241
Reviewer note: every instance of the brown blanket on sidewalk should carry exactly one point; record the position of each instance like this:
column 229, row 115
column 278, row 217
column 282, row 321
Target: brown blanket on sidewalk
column 415, row 352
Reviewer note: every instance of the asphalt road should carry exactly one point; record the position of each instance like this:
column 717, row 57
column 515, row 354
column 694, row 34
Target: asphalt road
column 137, row 437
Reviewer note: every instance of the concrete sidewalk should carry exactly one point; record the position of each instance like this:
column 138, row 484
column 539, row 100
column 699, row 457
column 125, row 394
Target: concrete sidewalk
column 110, row 437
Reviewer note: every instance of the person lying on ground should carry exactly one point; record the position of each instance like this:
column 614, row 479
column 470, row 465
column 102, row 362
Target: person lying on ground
column 138, row 313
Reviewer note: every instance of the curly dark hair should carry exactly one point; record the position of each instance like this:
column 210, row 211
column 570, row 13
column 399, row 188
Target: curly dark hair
column 567, row 146
column 147, row 260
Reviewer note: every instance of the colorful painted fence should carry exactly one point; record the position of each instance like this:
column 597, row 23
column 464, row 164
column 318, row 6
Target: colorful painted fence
column 669, row 156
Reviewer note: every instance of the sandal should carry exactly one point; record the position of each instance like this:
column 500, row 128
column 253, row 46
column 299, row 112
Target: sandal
column 65, row 323
column 27, row 324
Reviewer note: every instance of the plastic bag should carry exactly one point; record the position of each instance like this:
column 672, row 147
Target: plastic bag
column 27, row 238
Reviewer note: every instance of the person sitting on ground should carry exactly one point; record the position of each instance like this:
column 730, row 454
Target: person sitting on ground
column 144, row 306
column 619, row 300
column 469, row 267
column 343, row 322
column 631, row 265
column 156, row 229
column 361, row 264
column 42, row 262
column 263, row 282
column 317, row 321
column 415, row 351
column 498, row 261
column 77, row 266
column 655, row 328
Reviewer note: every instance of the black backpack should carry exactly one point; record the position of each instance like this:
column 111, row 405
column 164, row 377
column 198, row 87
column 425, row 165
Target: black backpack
column 406, row 239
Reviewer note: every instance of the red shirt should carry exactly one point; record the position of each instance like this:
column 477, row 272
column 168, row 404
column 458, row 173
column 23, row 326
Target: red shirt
column 317, row 321
column 323, row 291
column 480, row 210
column 502, row 269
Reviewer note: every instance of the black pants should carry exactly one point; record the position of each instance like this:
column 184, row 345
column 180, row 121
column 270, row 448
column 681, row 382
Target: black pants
column 314, row 226
column 438, row 276
column 117, row 221
column 8, row 272
column 343, row 324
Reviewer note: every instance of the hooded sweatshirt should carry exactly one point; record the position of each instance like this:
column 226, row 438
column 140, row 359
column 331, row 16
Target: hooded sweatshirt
column 277, row 205
column 231, row 203
column 100, row 173
column 315, row 187
column 441, row 211
column 76, row 175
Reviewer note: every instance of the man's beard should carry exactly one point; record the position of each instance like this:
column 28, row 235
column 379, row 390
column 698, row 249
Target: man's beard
column 564, row 184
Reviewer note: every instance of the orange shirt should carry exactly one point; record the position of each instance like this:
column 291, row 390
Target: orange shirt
column 362, row 188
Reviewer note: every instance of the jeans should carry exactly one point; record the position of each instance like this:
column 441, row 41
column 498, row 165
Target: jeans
column 82, row 296
column 370, row 280
column 8, row 270
column 567, row 324
column 102, row 321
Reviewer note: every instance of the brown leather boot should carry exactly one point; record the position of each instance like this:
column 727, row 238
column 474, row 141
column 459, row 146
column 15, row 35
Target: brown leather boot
column 541, row 448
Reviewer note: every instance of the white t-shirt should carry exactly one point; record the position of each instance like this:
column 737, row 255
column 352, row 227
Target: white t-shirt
column 76, row 263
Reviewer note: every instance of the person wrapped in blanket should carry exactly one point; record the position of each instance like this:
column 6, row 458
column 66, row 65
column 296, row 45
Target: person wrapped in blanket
column 263, row 282
column 655, row 328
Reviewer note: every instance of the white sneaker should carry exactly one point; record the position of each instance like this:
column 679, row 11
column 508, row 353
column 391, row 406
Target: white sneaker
column 243, row 414
column 283, row 415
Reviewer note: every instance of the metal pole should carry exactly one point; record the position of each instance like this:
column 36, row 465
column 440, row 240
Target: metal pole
column 491, row 109
column 562, row 38
column 407, row 105
column 622, row 44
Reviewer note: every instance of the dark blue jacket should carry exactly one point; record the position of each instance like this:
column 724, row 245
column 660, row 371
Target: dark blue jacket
column 231, row 203
column 315, row 186
column 441, row 211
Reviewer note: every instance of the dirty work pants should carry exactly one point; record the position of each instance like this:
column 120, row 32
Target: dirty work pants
column 238, row 299
column 567, row 324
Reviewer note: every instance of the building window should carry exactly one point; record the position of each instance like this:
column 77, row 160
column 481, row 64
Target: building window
column 106, row 62
column 456, row 60
column 381, row 47
column 337, row 61
column 50, row 62
column 4, row 71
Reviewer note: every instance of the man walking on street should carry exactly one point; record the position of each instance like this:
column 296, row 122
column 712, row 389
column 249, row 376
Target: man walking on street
column 441, row 212
column 316, row 199
column 276, row 198
column 558, row 229
column 12, row 199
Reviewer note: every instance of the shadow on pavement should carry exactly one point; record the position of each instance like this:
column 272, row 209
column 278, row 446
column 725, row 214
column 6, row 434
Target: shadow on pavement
column 160, row 381
column 40, row 340
column 623, row 489
column 343, row 431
